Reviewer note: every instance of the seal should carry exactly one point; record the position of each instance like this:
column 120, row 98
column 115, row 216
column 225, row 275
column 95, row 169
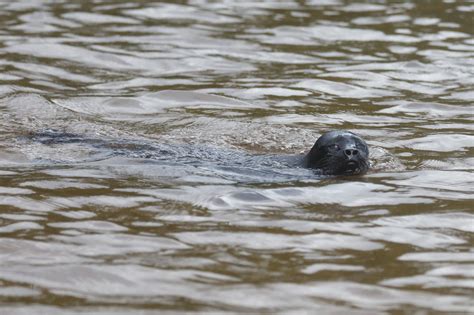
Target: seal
column 339, row 152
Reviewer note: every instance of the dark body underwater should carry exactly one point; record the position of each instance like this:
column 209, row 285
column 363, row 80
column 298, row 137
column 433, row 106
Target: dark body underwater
column 337, row 152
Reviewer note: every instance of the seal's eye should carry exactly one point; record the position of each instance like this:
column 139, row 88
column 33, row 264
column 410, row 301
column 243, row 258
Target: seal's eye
column 334, row 147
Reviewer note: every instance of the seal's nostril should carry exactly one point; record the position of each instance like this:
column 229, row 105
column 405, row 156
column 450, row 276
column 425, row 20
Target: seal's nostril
column 351, row 152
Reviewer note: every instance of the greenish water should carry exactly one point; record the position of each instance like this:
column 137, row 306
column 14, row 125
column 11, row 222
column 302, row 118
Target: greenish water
column 84, row 231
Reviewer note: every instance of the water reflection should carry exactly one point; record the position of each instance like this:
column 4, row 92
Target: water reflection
column 83, row 229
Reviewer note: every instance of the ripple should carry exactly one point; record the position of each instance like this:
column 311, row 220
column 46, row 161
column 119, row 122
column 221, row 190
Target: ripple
column 15, row 191
column 457, row 221
column 287, row 35
column 363, row 7
column 438, row 257
column 102, row 281
column 101, row 226
column 148, row 105
column 102, row 200
column 96, row 18
column 20, row 226
column 181, row 12
column 266, row 241
column 315, row 268
column 419, row 238
column 342, row 89
column 466, row 270
column 19, row 252
column 426, row 21
column 55, row 184
column 426, row 281
column 21, row 217
column 346, row 194
column 16, row 291
column 429, row 109
column 440, row 142
column 282, row 92
column 72, row 54
column 445, row 180
column 362, row 295
column 463, row 96
column 214, row 226
column 98, row 245
column 391, row 19
column 27, row 204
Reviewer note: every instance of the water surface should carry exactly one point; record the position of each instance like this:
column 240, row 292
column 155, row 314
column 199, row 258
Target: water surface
column 84, row 230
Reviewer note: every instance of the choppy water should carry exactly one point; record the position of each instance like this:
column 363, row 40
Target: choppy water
column 86, row 231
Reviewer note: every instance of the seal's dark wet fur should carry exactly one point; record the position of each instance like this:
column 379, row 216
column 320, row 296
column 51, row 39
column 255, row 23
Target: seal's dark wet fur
column 336, row 152
column 339, row 152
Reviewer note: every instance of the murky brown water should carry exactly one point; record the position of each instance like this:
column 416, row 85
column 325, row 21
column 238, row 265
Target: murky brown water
column 83, row 230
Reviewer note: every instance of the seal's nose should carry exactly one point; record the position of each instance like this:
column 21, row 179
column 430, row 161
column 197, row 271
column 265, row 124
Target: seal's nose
column 350, row 153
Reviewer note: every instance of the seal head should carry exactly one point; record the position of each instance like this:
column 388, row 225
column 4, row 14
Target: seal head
column 339, row 152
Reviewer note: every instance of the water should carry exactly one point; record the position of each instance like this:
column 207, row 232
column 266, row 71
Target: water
column 86, row 231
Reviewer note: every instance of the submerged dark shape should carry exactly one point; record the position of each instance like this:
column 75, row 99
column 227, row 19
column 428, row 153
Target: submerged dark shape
column 339, row 152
